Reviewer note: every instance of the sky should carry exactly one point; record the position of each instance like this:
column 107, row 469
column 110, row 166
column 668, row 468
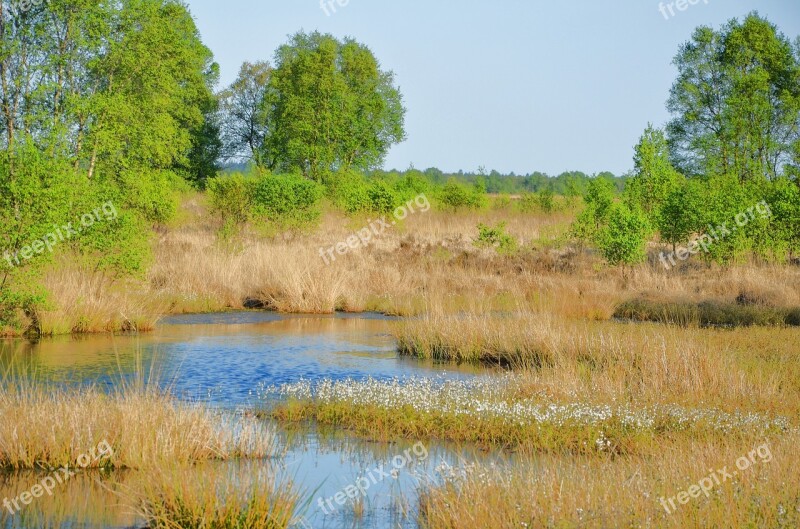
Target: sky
column 511, row 85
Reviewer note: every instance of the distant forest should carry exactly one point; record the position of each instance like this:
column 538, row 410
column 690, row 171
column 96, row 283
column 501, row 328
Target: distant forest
column 567, row 183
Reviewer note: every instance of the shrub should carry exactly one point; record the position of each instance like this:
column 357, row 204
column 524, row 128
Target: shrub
column 456, row 196
column 231, row 199
column 528, row 202
column 382, row 198
column 287, row 201
column 349, row 191
column 496, row 237
column 411, row 186
column 546, row 201
column 623, row 240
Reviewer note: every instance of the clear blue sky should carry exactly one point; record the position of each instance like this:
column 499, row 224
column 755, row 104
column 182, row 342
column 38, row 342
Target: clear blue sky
column 513, row 85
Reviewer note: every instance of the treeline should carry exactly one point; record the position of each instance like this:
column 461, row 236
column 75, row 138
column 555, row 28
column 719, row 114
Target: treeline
column 570, row 183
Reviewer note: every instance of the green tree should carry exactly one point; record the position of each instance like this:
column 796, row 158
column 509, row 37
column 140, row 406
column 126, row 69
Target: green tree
column 244, row 113
column 330, row 107
column 736, row 102
column 681, row 212
column 623, row 240
column 654, row 177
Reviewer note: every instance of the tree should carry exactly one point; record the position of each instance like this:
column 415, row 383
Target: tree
column 736, row 102
column 599, row 199
column 244, row 113
column 623, row 240
column 681, row 212
column 654, row 177
column 330, row 107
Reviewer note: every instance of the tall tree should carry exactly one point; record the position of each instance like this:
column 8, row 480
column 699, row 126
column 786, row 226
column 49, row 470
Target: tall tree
column 244, row 111
column 736, row 102
column 331, row 107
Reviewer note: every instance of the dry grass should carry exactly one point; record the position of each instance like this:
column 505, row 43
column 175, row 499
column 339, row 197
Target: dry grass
column 50, row 427
column 754, row 369
column 180, row 499
column 88, row 302
column 597, row 492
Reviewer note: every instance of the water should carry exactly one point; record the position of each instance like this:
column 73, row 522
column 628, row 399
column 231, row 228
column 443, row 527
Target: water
column 221, row 360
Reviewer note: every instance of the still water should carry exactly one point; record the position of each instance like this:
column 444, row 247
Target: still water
column 223, row 360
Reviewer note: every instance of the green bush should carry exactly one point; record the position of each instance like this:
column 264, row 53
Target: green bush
column 287, row 201
column 546, row 200
column 623, row 240
column 349, row 191
column 456, row 196
column 231, row 199
column 528, row 202
column 411, row 186
column 382, row 198
column 496, row 237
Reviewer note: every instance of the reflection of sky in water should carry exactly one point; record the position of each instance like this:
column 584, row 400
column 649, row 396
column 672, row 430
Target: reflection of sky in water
column 223, row 359
column 319, row 467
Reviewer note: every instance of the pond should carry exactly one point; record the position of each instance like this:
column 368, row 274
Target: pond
column 222, row 360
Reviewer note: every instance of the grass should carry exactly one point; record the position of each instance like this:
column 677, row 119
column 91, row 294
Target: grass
column 496, row 413
column 579, row 387
column 47, row 427
column 599, row 492
column 708, row 313
column 181, row 500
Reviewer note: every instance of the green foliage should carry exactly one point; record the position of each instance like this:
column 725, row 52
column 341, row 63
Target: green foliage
column 654, row 177
column 231, row 200
column 599, row 199
column 496, row 237
column 623, row 240
column 330, row 107
column 349, row 191
column 736, row 102
column 382, row 197
column 784, row 230
column 354, row 194
column 287, row 201
column 528, row 202
column 244, row 114
column 412, row 185
column 726, row 198
column 455, row 196
column 546, row 200
column 681, row 212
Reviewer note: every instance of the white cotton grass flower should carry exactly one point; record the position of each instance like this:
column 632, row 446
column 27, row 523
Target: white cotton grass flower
column 488, row 398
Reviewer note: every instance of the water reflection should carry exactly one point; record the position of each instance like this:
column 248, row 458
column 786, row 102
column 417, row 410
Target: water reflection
column 222, row 359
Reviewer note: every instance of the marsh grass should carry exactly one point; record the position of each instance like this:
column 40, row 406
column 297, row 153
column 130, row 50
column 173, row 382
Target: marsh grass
column 495, row 412
column 45, row 426
column 708, row 313
column 600, row 492
column 180, row 499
